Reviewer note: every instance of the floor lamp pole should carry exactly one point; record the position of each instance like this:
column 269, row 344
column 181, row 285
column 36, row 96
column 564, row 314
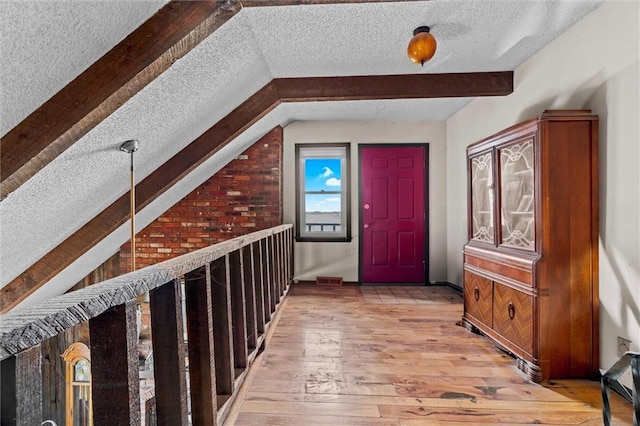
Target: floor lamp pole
column 130, row 147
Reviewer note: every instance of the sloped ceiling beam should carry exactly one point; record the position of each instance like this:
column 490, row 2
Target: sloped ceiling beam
column 114, row 79
column 138, row 60
column 408, row 86
column 106, row 85
column 236, row 122
column 265, row 3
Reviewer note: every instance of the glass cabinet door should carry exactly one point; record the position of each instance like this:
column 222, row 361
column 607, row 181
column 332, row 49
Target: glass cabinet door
column 482, row 198
column 517, row 192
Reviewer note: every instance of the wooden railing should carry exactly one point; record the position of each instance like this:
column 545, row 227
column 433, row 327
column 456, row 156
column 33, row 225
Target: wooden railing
column 232, row 289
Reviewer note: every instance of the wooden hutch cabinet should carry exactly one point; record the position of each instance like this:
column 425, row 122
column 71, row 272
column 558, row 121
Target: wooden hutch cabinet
column 531, row 262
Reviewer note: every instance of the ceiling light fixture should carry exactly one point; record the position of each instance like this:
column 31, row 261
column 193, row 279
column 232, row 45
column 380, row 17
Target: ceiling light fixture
column 422, row 46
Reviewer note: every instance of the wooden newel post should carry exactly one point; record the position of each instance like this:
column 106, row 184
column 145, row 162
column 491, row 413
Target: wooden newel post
column 281, row 273
column 276, row 265
column 238, row 310
column 222, row 326
column 273, row 274
column 168, row 354
column 115, row 380
column 267, row 280
column 256, row 257
column 201, row 351
column 264, row 277
column 275, row 296
column 291, row 256
column 250, row 296
column 21, row 389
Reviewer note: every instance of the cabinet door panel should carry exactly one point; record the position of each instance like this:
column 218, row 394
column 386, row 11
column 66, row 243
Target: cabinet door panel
column 516, row 194
column 513, row 316
column 478, row 297
column 482, row 198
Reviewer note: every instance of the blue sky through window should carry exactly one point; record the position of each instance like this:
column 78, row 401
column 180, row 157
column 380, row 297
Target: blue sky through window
column 323, row 174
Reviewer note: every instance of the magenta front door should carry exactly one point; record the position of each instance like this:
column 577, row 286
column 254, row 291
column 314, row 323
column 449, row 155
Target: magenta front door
column 392, row 214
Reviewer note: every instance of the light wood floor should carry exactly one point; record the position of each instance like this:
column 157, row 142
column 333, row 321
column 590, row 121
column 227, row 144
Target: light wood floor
column 340, row 356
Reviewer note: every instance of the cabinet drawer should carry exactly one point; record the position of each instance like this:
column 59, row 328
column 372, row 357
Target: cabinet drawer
column 478, row 297
column 513, row 316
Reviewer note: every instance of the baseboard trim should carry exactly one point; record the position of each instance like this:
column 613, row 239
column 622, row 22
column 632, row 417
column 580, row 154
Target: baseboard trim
column 452, row 286
column 311, row 282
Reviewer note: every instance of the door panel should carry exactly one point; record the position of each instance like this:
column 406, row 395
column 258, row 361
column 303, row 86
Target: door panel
column 406, row 209
column 392, row 230
column 380, row 199
column 406, row 249
column 380, row 249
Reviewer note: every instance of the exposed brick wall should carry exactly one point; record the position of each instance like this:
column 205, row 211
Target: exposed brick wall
column 243, row 197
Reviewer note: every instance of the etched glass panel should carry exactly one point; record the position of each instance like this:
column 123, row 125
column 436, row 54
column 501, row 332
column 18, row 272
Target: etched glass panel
column 482, row 198
column 516, row 186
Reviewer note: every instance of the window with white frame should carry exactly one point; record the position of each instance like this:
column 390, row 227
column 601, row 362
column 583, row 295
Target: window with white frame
column 322, row 192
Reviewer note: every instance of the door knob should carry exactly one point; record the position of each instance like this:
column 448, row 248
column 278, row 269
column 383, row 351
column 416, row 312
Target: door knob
column 366, row 225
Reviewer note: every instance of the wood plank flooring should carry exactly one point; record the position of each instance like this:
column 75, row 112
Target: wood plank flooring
column 394, row 356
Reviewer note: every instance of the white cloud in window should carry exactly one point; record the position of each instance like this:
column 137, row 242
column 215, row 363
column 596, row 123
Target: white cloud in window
column 333, row 182
column 332, row 200
column 326, row 172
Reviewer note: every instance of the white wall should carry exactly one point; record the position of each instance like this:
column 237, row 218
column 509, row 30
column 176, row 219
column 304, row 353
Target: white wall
column 341, row 259
column 595, row 66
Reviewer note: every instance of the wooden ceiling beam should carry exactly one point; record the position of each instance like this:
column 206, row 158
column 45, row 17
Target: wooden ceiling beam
column 408, row 86
column 107, row 84
column 147, row 190
column 138, row 60
column 267, row 3
column 227, row 129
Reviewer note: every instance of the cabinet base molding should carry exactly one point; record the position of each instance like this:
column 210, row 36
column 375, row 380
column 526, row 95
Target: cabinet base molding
column 530, row 370
column 470, row 327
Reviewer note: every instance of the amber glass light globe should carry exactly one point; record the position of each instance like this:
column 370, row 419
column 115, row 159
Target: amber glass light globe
column 422, row 46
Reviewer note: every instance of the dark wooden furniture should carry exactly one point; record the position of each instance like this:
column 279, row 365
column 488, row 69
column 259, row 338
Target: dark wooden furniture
column 531, row 262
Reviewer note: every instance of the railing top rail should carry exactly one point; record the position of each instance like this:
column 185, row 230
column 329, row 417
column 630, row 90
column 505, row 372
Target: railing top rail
column 23, row 328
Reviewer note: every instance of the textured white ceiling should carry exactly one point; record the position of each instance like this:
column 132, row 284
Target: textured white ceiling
column 40, row 54
column 366, row 38
column 45, row 44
